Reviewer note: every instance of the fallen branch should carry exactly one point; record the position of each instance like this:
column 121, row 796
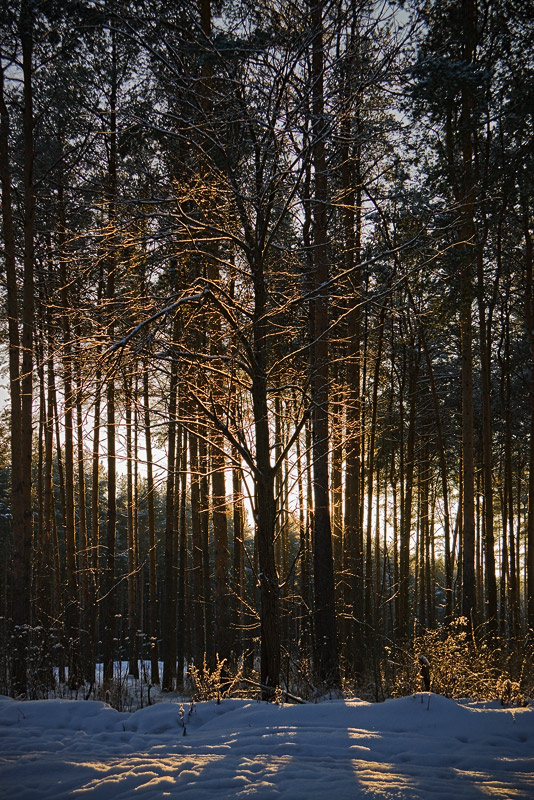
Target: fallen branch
column 289, row 697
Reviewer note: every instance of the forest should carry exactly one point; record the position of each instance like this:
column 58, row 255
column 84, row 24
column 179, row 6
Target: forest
column 267, row 344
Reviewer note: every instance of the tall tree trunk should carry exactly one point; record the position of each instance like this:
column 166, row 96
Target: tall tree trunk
column 264, row 492
column 406, row 506
column 133, row 642
column 221, row 598
column 337, row 487
column 490, row 601
column 508, row 502
column 60, row 576
column 268, row 577
column 169, row 598
column 94, row 583
column 443, row 466
column 48, row 482
column 369, row 588
column 529, row 319
column 108, row 578
column 204, row 468
column 198, row 646
column 183, row 638
column 304, row 611
column 107, row 592
column 326, row 646
column 21, row 367
column 238, row 561
column 467, row 237
column 424, row 513
column 72, row 609
column 85, row 616
column 152, row 559
column 20, row 610
column 39, row 543
column 353, row 534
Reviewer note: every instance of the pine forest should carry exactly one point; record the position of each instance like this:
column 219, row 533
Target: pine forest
column 267, row 341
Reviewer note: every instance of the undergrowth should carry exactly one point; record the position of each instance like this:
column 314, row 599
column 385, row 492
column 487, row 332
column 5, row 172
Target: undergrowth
column 463, row 664
column 453, row 661
column 203, row 683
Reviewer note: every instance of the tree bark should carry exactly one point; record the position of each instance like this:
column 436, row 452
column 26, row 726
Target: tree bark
column 72, row 608
column 108, row 589
column 264, row 493
column 467, row 239
column 326, row 645
column 85, row 615
column 406, row 503
column 490, row 601
column 198, row 645
column 170, row 547
column 152, row 555
column 183, row 638
column 529, row 320
column 21, row 365
column 133, row 642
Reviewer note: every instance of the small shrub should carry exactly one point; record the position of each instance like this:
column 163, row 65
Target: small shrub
column 214, row 684
column 461, row 663
column 510, row 692
column 278, row 697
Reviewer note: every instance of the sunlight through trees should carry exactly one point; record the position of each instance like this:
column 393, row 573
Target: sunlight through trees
column 268, row 339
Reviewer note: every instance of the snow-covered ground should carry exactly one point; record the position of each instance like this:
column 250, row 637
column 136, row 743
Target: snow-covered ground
column 411, row 747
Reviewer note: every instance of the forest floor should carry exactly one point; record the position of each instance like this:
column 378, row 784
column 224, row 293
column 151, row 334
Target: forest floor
column 423, row 746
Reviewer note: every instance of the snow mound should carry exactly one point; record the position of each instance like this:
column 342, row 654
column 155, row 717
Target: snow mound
column 414, row 747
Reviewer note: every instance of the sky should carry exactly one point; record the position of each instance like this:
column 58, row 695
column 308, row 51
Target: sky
column 422, row 746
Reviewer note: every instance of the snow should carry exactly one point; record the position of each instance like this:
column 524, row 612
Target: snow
column 424, row 746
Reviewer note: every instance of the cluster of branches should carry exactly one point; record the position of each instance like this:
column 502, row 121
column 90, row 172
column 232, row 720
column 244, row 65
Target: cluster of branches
column 269, row 311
